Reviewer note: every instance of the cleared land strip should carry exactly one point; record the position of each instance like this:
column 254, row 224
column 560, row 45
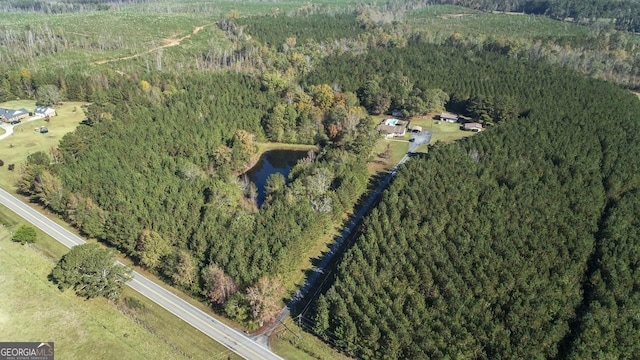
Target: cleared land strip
column 230, row 338
column 169, row 42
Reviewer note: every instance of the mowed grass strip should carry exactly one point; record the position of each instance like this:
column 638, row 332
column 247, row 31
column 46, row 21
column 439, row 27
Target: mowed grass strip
column 32, row 309
column 25, row 140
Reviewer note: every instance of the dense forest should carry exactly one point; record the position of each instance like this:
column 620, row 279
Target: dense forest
column 515, row 243
column 302, row 29
column 154, row 172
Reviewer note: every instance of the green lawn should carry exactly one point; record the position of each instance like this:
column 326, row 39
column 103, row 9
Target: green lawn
column 24, row 140
column 442, row 131
column 19, row 104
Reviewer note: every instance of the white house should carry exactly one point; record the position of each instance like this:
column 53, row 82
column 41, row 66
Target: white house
column 44, row 111
column 449, row 117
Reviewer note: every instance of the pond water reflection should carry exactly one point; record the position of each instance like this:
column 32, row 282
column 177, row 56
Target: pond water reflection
column 274, row 161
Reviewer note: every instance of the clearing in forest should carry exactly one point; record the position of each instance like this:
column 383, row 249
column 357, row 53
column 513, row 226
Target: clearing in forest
column 168, row 42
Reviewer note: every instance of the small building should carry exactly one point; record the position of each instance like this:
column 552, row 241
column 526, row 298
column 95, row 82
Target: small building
column 472, row 126
column 449, row 117
column 44, row 111
column 416, row 129
column 393, row 128
column 8, row 115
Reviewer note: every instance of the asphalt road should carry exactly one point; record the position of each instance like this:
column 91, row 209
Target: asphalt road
column 234, row 340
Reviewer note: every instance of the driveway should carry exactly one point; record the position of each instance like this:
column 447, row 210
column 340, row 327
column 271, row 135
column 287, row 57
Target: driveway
column 419, row 138
column 8, row 128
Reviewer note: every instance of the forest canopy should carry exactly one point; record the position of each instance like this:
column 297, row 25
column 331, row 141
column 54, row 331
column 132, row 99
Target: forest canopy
column 502, row 245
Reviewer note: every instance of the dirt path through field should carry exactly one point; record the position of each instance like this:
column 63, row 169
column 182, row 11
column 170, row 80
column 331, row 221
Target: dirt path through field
column 168, row 42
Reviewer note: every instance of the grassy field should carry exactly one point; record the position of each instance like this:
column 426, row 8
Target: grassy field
column 450, row 19
column 25, row 141
column 33, row 309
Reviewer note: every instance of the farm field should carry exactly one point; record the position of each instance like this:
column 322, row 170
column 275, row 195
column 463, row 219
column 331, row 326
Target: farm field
column 25, row 140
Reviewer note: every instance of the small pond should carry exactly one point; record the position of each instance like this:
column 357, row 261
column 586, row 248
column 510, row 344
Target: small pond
column 274, row 161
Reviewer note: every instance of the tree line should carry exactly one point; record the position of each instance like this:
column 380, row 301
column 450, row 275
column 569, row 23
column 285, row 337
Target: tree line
column 514, row 243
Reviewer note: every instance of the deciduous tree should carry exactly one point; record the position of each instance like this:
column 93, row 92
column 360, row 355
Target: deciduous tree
column 25, row 234
column 48, row 95
column 265, row 298
column 219, row 286
column 91, row 271
column 151, row 248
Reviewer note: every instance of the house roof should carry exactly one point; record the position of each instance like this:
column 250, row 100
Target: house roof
column 43, row 109
column 473, row 125
column 10, row 114
column 390, row 129
column 393, row 126
column 448, row 115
